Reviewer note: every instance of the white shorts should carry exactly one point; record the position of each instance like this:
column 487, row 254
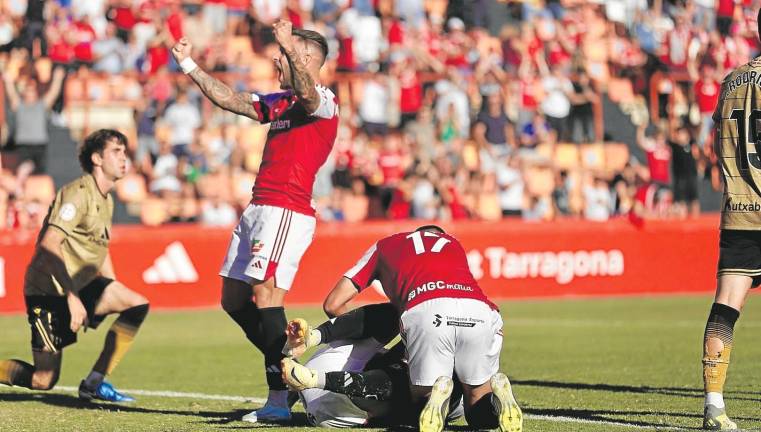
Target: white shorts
column 328, row 409
column 452, row 334
column 268, row 241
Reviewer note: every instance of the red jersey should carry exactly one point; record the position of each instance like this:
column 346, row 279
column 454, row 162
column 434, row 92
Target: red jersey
column 659, row 162
column 298, row 143
column 417, row 266
column 707, row 95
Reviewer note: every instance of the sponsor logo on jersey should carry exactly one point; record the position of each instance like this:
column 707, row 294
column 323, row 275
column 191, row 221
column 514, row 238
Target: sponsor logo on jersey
column 172, row 266
column 280, row 124
column 463, row 322
column 563, row 266
column 437, row 321
column 740, row 207
column 436, row 285
column 256, row 246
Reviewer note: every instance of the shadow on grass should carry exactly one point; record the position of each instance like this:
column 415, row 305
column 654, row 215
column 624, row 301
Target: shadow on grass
column 615, row 388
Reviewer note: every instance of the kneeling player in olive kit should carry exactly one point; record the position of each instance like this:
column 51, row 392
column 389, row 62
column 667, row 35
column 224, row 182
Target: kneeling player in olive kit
column 70, row 282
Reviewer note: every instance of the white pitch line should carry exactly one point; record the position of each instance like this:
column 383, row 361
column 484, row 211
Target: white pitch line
column 174, row 394
column 205, row 396
column 563, row 419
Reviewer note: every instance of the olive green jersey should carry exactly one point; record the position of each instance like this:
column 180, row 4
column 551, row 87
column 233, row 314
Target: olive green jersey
column 738, row 145
column 83, row 214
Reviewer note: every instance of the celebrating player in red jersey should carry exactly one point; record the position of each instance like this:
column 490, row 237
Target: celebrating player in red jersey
column 277, row 227
column 447, row 324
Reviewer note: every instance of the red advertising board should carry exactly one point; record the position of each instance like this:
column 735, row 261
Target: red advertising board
column 176, row 266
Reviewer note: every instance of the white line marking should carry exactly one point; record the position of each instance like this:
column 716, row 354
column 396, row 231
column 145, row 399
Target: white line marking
column 563, row 419
column 257, row 400
column 174, row 394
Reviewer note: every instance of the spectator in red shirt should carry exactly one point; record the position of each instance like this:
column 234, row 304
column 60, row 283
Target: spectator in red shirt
column 84, row 36
column 707, row 89
column 658, row 155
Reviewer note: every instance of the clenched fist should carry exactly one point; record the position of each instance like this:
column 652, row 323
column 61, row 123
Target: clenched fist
column 182, row 49
column 282, row 30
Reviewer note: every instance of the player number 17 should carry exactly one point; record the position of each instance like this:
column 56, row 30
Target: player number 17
column 417, row 241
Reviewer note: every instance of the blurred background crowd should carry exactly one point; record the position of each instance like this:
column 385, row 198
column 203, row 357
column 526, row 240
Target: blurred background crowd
column 478, row 109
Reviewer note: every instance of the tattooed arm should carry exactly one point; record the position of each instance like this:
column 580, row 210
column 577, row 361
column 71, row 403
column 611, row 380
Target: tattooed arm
column 302, row 81
column 223, row 96
column 217, row 91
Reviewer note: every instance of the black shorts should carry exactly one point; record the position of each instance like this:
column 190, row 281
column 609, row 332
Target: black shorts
column 740, row 254
column 685, row 189
column 50, row 319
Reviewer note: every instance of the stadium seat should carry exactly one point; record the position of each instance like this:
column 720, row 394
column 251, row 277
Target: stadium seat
column 545, row 150
column 540, row 181
column 566, row 155
column 593, row 156
column 153, row 212
column 132, row 188
column 40, row 188
column 616, row 156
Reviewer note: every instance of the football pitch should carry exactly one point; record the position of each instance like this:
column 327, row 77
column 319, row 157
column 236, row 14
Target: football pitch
column 623, row 364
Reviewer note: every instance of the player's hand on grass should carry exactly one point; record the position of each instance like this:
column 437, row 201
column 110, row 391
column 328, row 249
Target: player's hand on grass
column 77, row 311
column 282, row 30
column 182, row 49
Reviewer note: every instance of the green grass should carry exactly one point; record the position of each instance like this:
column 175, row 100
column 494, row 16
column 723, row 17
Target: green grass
column 634, row 361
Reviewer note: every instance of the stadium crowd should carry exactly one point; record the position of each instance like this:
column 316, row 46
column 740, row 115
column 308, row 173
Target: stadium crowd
column 449, row 109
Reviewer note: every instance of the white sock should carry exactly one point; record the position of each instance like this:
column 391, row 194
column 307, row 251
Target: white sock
column 94, row 379
column 278, row 398
column 715, row 399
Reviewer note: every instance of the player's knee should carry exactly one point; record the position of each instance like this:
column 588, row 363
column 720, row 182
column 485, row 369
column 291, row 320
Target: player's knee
column 135, row 315
column 331, row 308
column 139, row 301
column 44, row 380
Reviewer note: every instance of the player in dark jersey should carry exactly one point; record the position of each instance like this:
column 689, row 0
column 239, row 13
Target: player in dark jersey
column 277, row 227
column 448, row 325
column 737, row 145
column 70, row 282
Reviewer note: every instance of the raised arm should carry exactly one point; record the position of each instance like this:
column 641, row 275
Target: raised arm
column 55, row 88
column 302, row 80
column 218, row 92
column 10, row 89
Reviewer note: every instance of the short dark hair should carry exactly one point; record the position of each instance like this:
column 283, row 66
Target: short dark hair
column 96, row 142
column 758, row 19
column 431, row 227
column 313, row 36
